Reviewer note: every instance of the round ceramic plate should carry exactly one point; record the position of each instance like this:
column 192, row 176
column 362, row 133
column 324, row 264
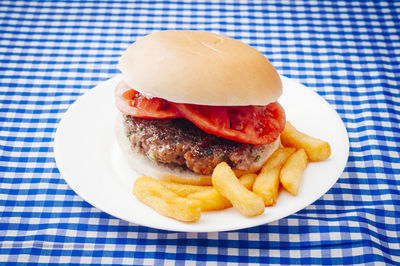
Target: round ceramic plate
column 88, row 157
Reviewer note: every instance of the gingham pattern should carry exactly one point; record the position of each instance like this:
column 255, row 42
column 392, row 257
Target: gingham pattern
column 52, row 52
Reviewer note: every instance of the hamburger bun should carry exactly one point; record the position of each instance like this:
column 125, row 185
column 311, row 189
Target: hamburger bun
column 198, row 67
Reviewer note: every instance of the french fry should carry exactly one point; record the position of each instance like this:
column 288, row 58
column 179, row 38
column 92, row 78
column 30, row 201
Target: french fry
column 166, row 202
column 247, row 180
column 228, row 185
column 211, row 200
column 267, row 182
column 292, row 171
column 316, row 149
column 183, row 190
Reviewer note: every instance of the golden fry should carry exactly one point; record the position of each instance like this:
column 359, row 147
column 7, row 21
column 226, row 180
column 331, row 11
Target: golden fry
column 267, row 182
column 183, row 190
column 211, row 200
column 292, row 171
column 316, row 149
column 228, row 185
column 154, row 194
column 247, row 180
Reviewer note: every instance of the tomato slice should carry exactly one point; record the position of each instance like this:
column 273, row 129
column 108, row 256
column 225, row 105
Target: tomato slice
column 248, row 124
column 133, row 103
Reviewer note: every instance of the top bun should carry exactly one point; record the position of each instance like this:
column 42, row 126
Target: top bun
column 198, row 67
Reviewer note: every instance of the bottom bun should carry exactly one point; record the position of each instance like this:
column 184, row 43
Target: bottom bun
column 173, row 172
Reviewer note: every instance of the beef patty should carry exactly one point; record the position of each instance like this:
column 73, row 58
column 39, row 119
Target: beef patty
column 180, row 142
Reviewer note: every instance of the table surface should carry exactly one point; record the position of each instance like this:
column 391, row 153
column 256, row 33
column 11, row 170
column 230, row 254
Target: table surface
column 52, row 52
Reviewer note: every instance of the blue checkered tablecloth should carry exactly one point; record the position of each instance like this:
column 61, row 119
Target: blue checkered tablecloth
column 51, row 52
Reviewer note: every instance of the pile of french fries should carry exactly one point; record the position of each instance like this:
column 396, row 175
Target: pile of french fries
column 249, row 193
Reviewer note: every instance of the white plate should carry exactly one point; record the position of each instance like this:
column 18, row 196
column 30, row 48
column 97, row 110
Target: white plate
column 89, row 159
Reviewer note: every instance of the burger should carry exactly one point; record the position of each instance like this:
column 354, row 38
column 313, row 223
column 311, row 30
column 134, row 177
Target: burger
column 190, row 100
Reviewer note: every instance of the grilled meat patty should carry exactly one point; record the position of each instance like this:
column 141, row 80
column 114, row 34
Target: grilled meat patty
column 180, row 142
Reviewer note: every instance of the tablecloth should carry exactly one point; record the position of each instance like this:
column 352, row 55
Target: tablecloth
column 52, row 52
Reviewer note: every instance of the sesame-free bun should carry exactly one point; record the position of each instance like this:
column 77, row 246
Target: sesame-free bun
column 145, row 166
column 198, row 67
